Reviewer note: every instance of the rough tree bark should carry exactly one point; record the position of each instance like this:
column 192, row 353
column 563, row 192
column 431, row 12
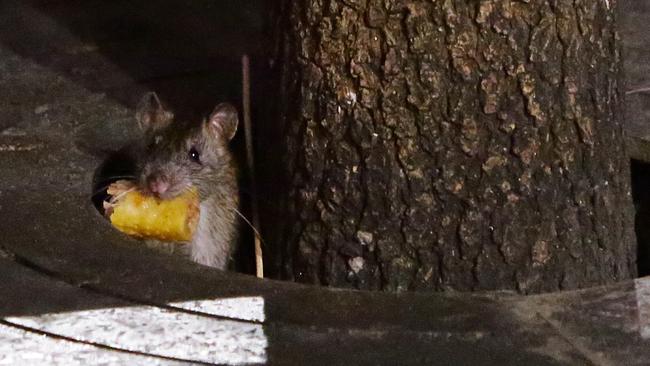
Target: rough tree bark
column 454, row 144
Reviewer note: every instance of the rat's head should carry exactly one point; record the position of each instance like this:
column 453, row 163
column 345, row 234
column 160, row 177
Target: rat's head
column 179, row 155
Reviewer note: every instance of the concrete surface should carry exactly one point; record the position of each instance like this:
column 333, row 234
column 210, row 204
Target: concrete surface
column 75, row 291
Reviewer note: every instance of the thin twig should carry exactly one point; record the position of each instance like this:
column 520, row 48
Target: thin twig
column 246, row 100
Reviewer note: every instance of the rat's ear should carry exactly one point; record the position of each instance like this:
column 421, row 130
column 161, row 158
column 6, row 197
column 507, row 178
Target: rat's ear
column 151, row 114
column 223, row 121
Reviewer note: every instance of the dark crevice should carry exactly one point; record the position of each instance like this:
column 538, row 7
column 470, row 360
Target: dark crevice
column 641, row 196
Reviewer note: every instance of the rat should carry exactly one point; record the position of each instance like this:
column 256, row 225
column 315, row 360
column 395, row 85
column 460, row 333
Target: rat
column 176, row 155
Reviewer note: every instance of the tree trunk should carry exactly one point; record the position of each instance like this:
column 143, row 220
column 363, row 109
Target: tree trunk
column 454, row 144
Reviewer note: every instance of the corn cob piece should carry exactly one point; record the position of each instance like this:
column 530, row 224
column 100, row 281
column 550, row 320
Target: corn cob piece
column 149, row 217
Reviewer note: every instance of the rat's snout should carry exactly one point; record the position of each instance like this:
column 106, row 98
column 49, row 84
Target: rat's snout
column 158, row 184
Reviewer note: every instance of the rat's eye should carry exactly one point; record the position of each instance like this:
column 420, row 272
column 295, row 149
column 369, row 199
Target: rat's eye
column 194, row 155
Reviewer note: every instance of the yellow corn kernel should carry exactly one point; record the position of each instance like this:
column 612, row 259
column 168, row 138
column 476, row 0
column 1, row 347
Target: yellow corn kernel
column 148, row 217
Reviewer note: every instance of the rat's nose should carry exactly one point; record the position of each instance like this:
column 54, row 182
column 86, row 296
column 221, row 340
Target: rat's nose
column 158, row 185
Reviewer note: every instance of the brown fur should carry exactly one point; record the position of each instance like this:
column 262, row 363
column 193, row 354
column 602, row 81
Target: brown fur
column 165, row 155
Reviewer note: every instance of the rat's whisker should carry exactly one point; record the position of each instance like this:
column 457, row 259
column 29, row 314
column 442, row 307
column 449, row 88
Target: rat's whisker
column 121, row 194
column 187, row 188
column 104, row 186
column 101, row 190
column 257, row 233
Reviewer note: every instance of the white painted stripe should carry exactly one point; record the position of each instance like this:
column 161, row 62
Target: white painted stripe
column 642, row 292
column 19, row 347
column 162, row 332
column 244, row 308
